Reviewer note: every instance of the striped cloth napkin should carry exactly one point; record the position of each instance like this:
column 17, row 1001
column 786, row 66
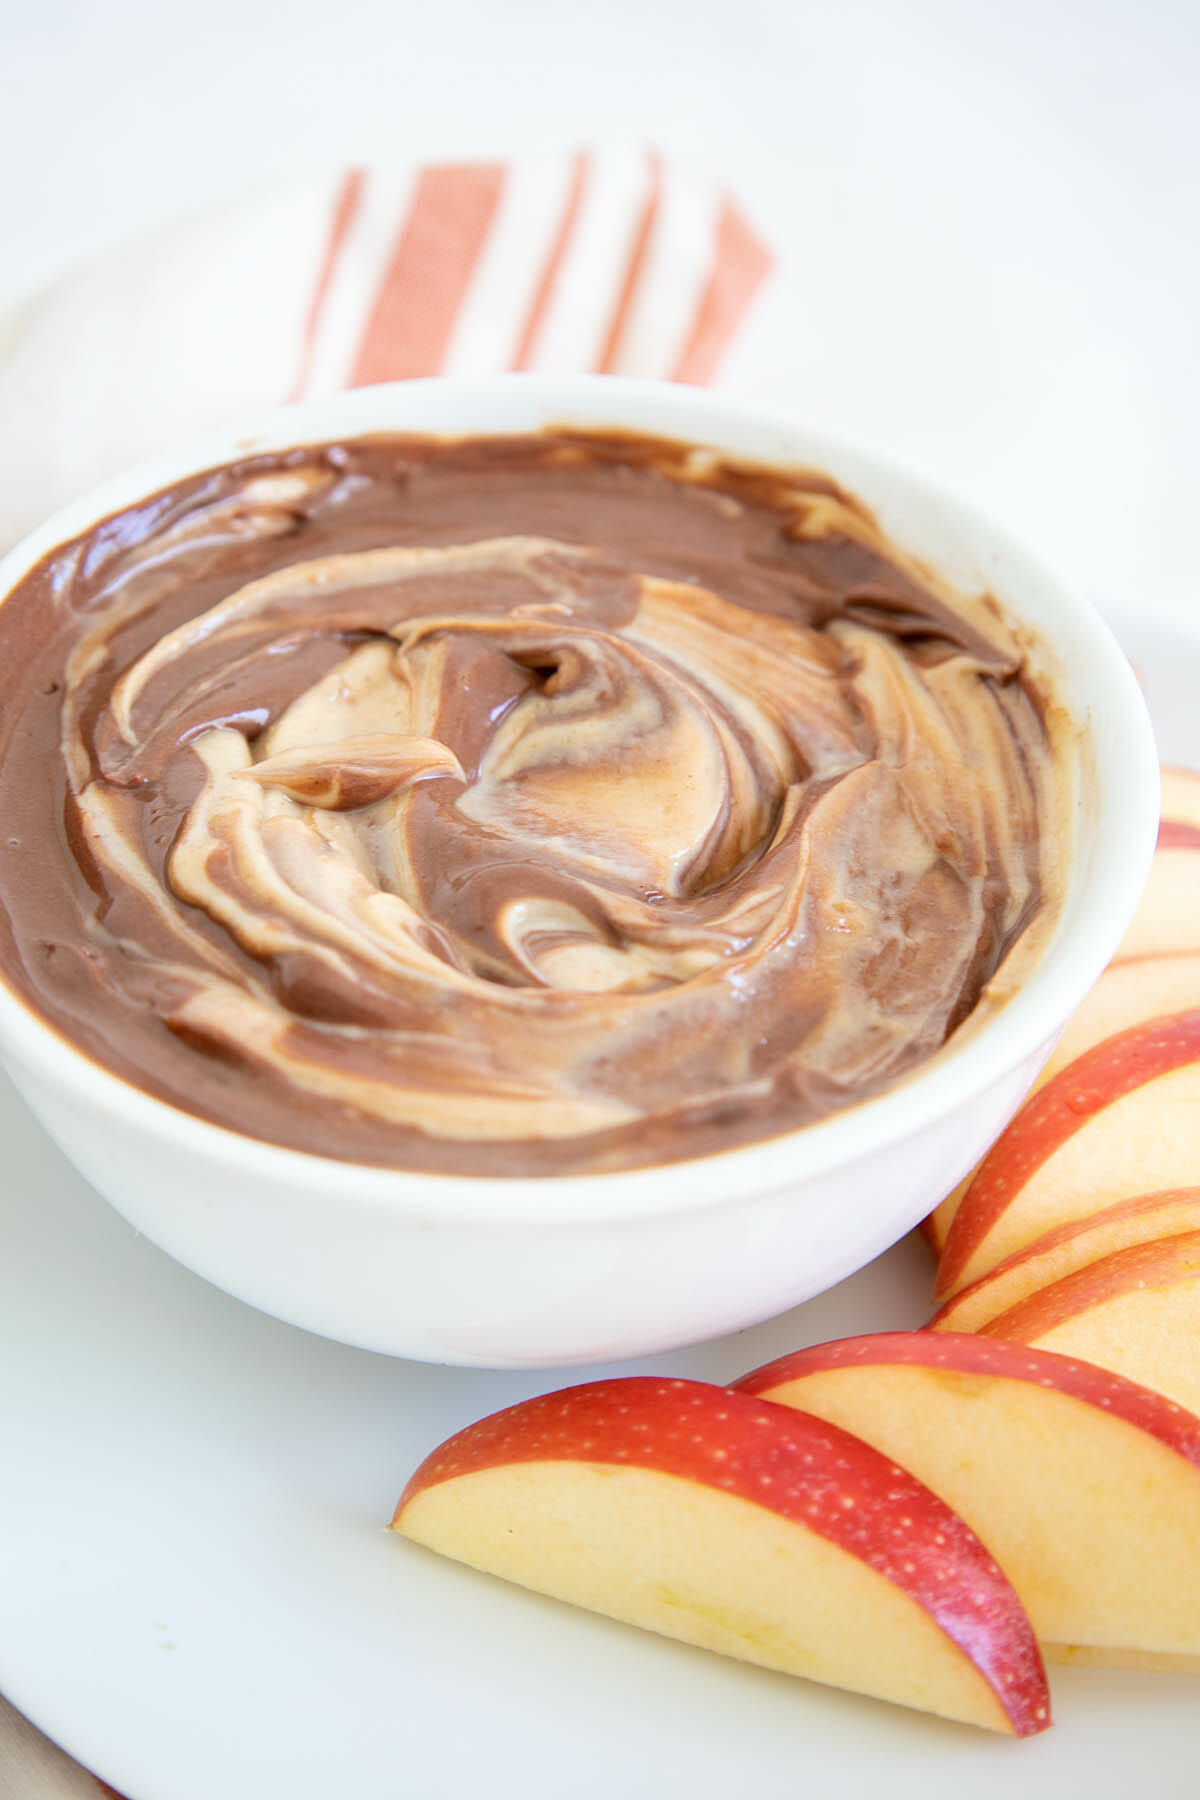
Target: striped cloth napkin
column 617, row 262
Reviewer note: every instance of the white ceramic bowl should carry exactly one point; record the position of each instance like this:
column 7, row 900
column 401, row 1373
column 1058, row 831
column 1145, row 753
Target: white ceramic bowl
column 590, row 1268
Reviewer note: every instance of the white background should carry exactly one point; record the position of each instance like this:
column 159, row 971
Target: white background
column 988, row 211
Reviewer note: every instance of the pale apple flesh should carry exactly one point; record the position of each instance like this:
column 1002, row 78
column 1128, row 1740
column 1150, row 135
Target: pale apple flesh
column 1059, row 1253
column 929, row 1230
column 1126, row 994
column 1087, row 1656
column 1168, row 914
column 1122, row 1119
column 1085, row 1486
column 741, row 1527
column 1136, row 1311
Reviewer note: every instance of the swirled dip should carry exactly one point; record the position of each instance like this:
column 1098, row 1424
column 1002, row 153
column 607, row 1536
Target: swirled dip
column 514, row 805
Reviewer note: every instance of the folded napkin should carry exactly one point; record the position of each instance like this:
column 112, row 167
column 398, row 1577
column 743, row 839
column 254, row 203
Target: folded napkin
column 619, row 262
column 616, row 261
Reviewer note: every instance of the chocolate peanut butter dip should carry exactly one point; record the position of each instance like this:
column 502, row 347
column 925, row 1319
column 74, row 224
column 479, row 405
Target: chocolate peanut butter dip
column 524, row 805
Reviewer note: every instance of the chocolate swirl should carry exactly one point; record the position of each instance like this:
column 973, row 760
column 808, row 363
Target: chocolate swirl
column 678, row 810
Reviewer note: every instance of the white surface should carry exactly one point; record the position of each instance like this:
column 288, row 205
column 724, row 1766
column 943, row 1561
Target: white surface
column 989, row 210
column 197, row 1599
column 512, row 1273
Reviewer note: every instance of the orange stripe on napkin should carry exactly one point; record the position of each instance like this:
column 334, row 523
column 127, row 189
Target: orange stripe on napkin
column 345, row 207
column 544, row 290
column 635, row 267
column 431, row 267
column 741, row 262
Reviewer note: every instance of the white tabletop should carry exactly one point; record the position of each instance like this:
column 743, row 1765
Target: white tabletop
column 988, row 212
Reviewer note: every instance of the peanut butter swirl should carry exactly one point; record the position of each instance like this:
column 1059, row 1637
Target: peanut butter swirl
column 510, row 806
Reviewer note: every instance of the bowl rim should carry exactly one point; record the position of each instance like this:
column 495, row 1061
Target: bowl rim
column 1022, row 1027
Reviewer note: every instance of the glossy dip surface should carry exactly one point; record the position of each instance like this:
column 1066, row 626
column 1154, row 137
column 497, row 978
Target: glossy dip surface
column 540, row 804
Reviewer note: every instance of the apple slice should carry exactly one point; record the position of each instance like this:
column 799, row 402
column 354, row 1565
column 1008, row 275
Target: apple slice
column 1181, row 797
column 1121, row 1120
column 1059, row 1253
column 1136, row 1311
column 1168, row 918
column 1088, row 1656
column 935, row 1227
column 742, row 1527
column 1085, row 1486
column 930, row 1230
column 1168, row 914
column 1127, row 993
column 1178, row 834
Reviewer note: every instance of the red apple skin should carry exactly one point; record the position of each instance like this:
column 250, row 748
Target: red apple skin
column 1128, row 993
column 977, row 1354
column 1093, row 1081
column 1178, row 834
column 1162, row 1262
column 1145, row 1212
column 798, row 1466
